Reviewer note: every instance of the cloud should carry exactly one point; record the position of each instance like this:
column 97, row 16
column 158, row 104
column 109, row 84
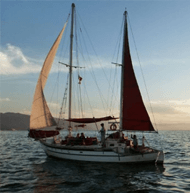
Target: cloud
column 181, row 106
column 25, row 111
column 162, row 107
column 4, row 100
column 53, row 105
column 13, row 61
column 172, row 107
column 170, row 112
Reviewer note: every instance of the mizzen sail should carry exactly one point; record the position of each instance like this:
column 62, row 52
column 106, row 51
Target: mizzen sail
column 134, row 114
column 41, row 116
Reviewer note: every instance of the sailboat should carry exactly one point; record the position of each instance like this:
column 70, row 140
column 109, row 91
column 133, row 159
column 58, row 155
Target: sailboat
column 116, row 148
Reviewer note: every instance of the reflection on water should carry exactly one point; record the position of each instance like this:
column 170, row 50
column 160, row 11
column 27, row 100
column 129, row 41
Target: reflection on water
column 71, row 176
column 24, row 167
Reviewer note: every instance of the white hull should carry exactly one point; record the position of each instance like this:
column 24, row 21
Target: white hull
column 98, row 154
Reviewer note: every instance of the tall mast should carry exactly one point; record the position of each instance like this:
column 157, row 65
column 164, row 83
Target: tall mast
column 71, row 62
column 122, row 71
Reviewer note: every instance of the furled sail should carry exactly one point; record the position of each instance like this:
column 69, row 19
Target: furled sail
column 41, row 116
column 91, row 120
column 135, row 116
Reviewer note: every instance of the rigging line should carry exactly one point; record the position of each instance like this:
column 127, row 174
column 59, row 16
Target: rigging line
column 57, row 80
column 74, row 108
column 74, row 99
column 62, row 52
column 76, row 41
column 76, row 50
column 116, row 99
column 82, row 104
column 57, row 97
column 64, row 39
column 56, row 83
column 82, row 55
column 98, row 62
column 88, row 99
column 142, row 74
column 77, row 58
column 121, row 31
column 96, row 53
column 64, row 99
column 117, row 45
column 66, row 96
column 118, row 50
column 81, row 101
column 93, row 75
column 101, row 95
column 113, row 93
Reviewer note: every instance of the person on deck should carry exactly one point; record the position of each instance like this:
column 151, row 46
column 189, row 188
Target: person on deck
column 135, row 141
column 103, row 132
column 78, row 135
column 143, row 138
column 82, row 136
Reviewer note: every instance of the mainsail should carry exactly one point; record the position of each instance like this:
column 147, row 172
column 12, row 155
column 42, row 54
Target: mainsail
column 134, row 114
column 41, row 116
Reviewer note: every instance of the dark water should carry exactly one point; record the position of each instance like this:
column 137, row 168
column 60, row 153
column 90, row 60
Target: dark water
column 24, row 167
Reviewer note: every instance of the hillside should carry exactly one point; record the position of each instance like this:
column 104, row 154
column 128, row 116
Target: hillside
column 9, row 121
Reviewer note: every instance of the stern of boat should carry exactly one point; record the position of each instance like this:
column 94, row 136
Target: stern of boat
column 160, row 157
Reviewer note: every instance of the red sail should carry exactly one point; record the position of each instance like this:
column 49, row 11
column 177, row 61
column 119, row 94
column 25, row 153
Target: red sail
column 135, row 116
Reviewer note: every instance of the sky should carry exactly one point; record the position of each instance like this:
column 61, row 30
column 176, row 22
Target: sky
column 158, row 35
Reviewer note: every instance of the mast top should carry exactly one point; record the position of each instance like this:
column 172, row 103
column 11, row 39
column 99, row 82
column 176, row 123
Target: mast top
column 125, row 12
column 73, row 5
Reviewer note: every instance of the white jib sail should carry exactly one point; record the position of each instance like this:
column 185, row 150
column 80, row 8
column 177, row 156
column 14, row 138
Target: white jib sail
column 41, row 116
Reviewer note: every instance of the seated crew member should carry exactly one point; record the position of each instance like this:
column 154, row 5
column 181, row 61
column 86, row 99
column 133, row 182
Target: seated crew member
column 135, row 141
column 82, row 136
column 143, row 138
column 78, row 135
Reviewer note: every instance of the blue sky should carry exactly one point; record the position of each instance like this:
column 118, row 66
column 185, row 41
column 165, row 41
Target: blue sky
column 161, row 33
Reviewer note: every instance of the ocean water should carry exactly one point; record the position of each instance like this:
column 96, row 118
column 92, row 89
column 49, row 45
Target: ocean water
column 24, row 167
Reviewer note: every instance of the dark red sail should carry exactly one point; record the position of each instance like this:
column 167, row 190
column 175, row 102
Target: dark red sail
column 135, row 116
column 91, row 120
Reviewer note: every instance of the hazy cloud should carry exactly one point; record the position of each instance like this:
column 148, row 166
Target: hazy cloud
column 4, row 99
column 170, row 112
column 13, row 61
column 171, row 106
column 53, row 105
column 25, row 111
column 162, row 107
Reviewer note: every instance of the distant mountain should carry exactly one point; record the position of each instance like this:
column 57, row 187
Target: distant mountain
column 9, row 121
column 17, row 121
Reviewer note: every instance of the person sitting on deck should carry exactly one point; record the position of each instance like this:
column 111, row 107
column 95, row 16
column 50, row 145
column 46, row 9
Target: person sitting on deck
column 143, row 138
column 115, row 135
column 135, row 141
column 78, row 135
column 82, row 136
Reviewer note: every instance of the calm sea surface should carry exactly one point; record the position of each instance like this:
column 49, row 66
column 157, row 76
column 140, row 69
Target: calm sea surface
column 24, row 167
